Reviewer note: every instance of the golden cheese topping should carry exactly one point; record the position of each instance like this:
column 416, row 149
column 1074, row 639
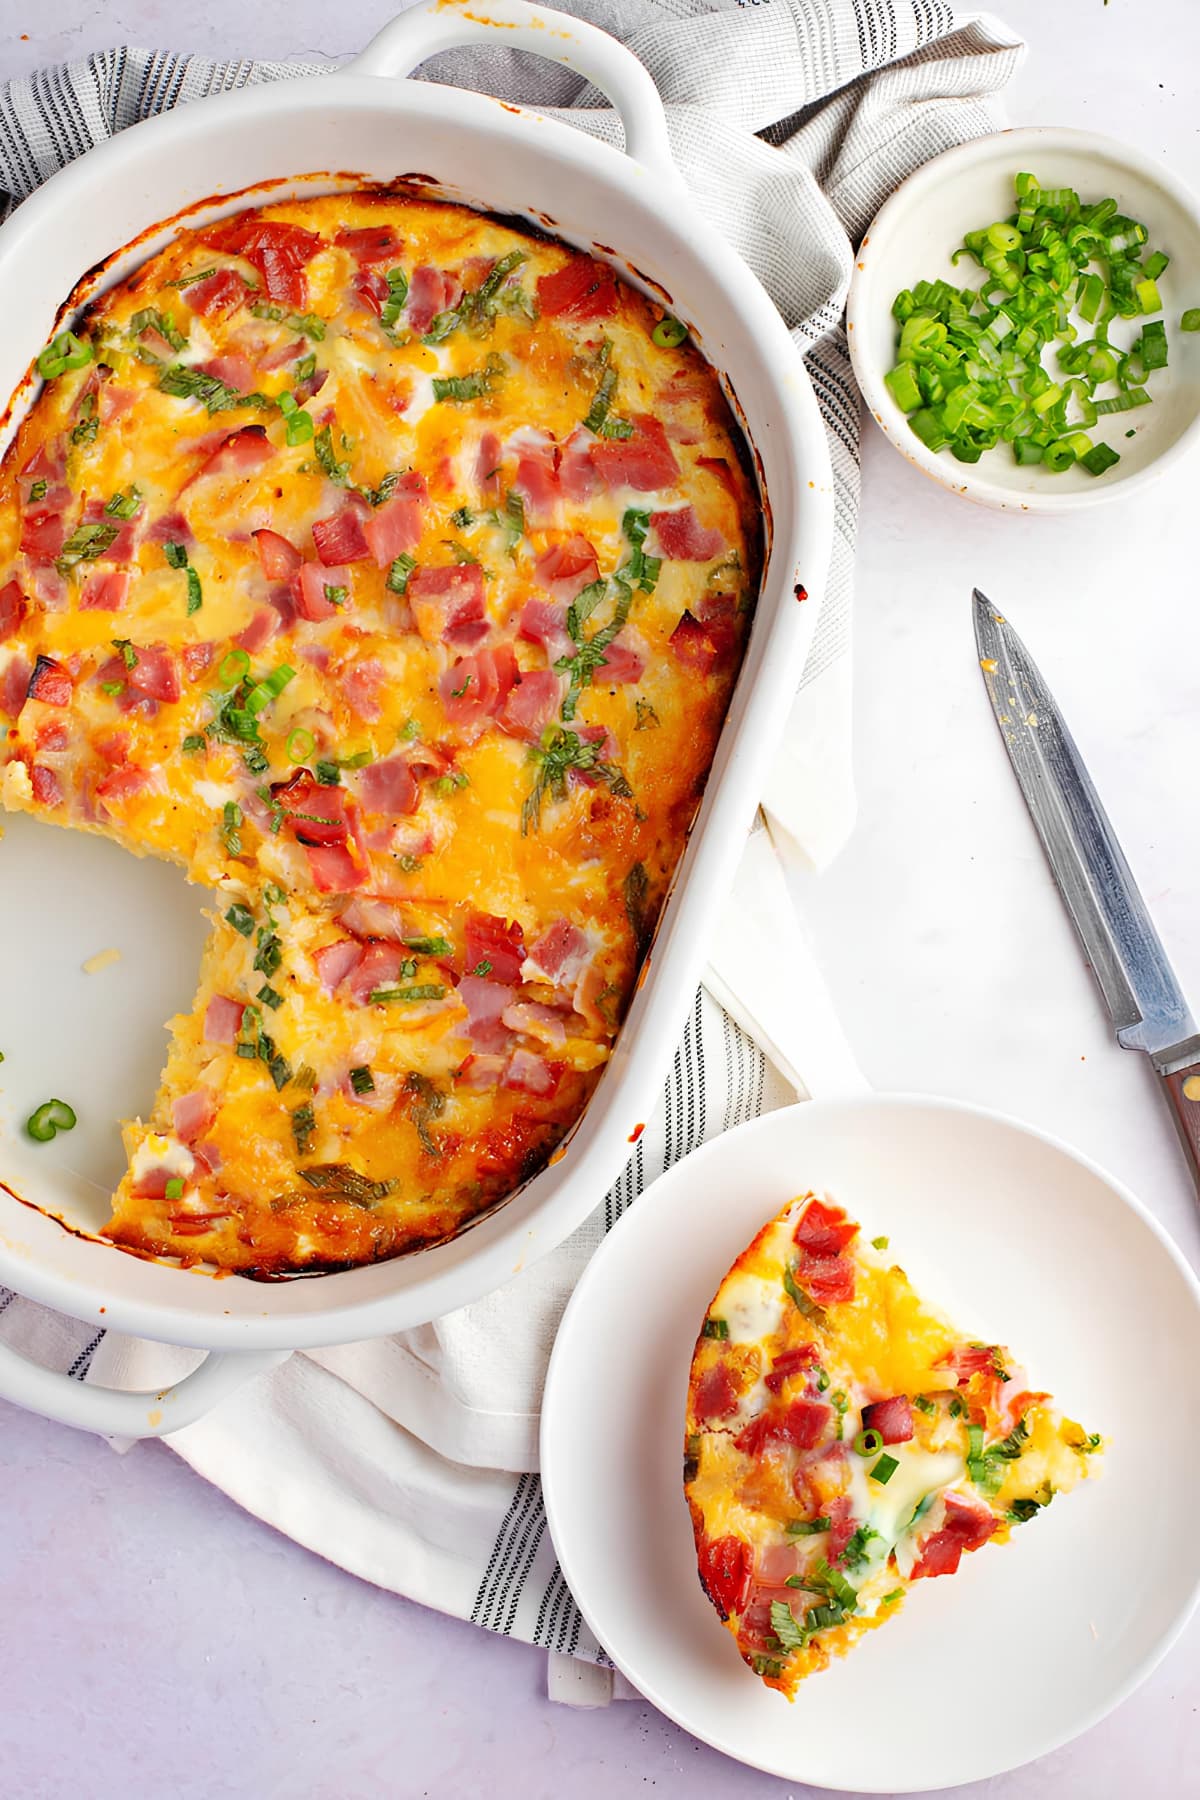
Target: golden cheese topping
column 844, row 1441
column 389, row 569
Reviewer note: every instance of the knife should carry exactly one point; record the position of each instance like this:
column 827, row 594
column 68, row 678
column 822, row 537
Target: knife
column 1137, row 982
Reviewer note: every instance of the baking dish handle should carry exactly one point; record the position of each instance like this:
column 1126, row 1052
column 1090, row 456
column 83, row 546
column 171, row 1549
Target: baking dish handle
column 114, row 1413
column 438, row 25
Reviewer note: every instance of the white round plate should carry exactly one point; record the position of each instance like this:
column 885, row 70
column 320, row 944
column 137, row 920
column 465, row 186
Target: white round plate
column 913, row 237
column 1021, row 1241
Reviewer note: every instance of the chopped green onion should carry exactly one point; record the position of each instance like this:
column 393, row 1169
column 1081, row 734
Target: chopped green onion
column 51, row 1117
column 190, row 745
column 269, row 996
column 64, row 352
column 806, row 1527
column 1191, row 319
column 233, row 667
column 868, row 1442
column 884, row 1469
column 715, row 1328
column 429, row 990
column 174, row 1188
column 328, row 774
column 362, row 1080
column 402, row 567
column 1098, row 459
column 121, row 506
column 241, row 918
column 669, row 333
column 880, row 1243
column 300, row 745
column 299, row 428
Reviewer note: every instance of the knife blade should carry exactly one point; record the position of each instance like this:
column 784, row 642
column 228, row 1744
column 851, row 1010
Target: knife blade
column 1123, row 949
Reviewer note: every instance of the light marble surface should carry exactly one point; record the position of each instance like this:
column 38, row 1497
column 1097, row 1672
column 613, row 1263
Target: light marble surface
column 133, row 1593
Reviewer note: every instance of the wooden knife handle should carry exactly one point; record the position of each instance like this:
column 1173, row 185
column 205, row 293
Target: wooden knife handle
column 1183, row 1094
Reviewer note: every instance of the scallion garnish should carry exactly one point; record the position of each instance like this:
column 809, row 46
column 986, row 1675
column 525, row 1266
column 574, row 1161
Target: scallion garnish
column 241, row 918
column 402, row 567
column 884, row 1469
column 868, row 1442
column 327, row 773
column 715, row 1328
column 669, row 333
column 806, row 1527
column 174, row 1188
column 300, row 745
column 64, row 352
column 423, row 990
column 51, row 1117
column 362, row 1080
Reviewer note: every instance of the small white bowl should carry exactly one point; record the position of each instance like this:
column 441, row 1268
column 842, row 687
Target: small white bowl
column 913, row 237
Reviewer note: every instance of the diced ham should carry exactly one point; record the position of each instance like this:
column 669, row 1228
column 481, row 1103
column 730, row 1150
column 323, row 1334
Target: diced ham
column 120, row 786
column 544, row 622
column 536, row 479
column 242, row 452
column 532, row 704
column 115, row 402
column 14, row 685
column 824, row 1230
column 558, row 956
column 530, row 1074
column 624, row 660
column 340, row 539
column 217, row 295
column 802, row 1423
column 279, row 558
column 192, row 1114
column 43, row 535
column 974, row 1359
column 236, row 371
column 50, row 683
column 498, row 943
column 53, row 735
column 334, row 869
column 367, row 916
column 708, row 639
column 222, row 1020
column 564, row 569
column 169, row 528
column 576, row 476
column 362, row 683
column 716, row 1395
column 681, row 536
column 644, row 461
column 430, row 292
column 317, row 813
column 372, row 289
column 725, row 1569
column 105, row 590
column 967, row 1525
column 826, row 1279
column 13, row 608
column 123, row 547
column 389, row 787
column 45, row 784
column 279, row 252
column 485, row 1002
column 839, row 1512
column 775, row 1564
column 789, row 1363
column 487, row 466
column 336, row 961
column 395, row 528
column 378, row 967
column 475, row 687
column 480, row 1073
column 891, row 1418
column 308, row 589
column 582, row 289
column 448, row 603
column 197, row 658
column 48, row 587
column 533, row 1019
column 155, row 673
column 371, row 243
column 259, row 632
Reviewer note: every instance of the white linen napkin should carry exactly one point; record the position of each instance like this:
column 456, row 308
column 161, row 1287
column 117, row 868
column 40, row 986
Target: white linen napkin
column 411, row 1461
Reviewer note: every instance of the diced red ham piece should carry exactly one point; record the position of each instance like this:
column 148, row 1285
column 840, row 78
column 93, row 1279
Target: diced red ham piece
column 487, row 466
column 105, row 590
column 43, row 535
column 192, row 1114
column 498, row 942
column 826, row 1279
column 480, row 1073
column 308, row 588
column 336, row 961
column 155, row 673
column 14, row 686
column 372, row 289
column 45, row 784
column 839, row 1512
column 564, row 569
column 824, row 1230
column 334, row 869
column 537, row 479
column 558, row 956
column 259, row 632
column 316, row 813
column 530, row 1074
column 236, row 371
column 242, row 452
column 371, row 243
column 803, row 1423
column 394, row 529
column 50, row 683
column 681, row 536
column 222, row 1020
column 379, row 967
column 340, row 539
column 13, row 608
column 703, row 642
column 389, row 787
column 279, row 252
column 725, row 1568
column 279, row 558
column 448, row 603
column 716, row 1395
column 544, row 622
column 485, row 1002
column 789, row 1363
column 577, row 478
column 430, row 292
column 891, row 1418
column 474, row 688
column 368, row 916
column 362, row 683
column 582, row 289
column 968, row 1525
column 644, row 461
column 532, row 704
column 120, row 785
column 217, row 295
column 624, row 660
column 197, row 658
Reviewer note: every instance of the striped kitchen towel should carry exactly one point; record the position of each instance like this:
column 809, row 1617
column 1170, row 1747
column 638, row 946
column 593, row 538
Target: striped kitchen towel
column 412, row 1462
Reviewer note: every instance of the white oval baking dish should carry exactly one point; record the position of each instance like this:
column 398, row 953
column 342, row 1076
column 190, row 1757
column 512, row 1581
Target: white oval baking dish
column 63, row 896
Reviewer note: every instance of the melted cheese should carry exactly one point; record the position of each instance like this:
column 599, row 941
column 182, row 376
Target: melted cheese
column 448, row 1127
